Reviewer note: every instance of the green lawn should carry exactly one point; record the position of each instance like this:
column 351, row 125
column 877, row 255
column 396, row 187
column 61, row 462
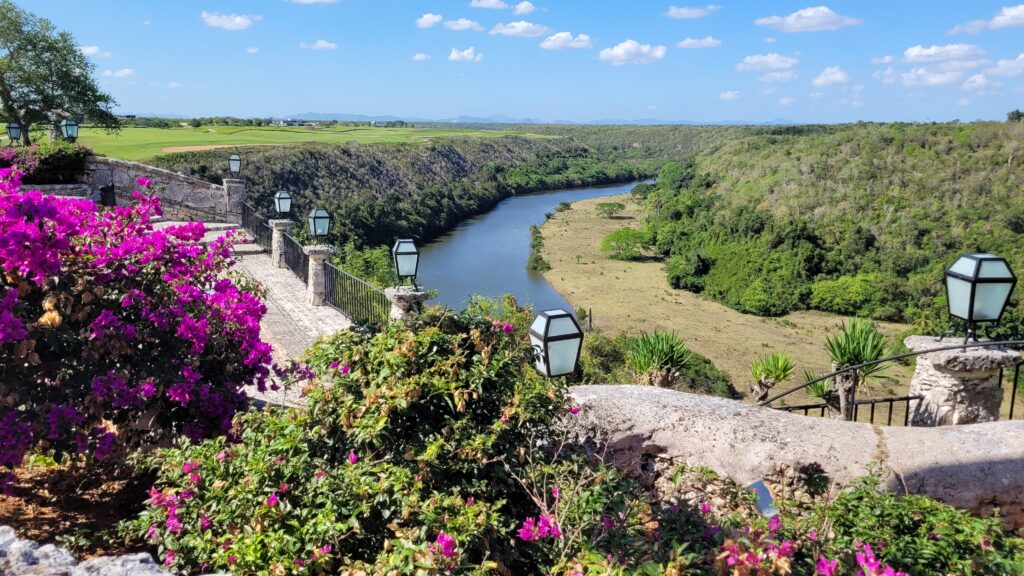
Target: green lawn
column 143, row 143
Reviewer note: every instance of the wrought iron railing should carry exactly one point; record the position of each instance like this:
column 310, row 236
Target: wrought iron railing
column 361, row 302
column 257, row 226
column 823, row 408
column 295, row 259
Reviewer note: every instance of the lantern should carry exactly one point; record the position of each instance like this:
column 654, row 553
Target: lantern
column 69, row 129
column 235, row 163
column 319, row 222
column 558, row 340
column 407, row 259
column 283, row 202
column 765, row 502
column 978, row 287
column 14, row 131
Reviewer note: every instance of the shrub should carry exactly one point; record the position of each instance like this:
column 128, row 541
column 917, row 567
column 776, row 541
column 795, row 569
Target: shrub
column 767, row 371
column 610, row 209
column 563, row 206
column 687, row 273
column 657, row 358
column 849, row 295
column 624, row 244
column 113, row 334
column 55, row 162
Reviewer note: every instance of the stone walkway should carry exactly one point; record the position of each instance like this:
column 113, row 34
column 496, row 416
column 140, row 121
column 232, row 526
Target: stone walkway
column 291, row 325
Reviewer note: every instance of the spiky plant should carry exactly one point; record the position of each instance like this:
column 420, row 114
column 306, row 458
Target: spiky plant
column 658, row 358
column 856, row 343
column 767, row 371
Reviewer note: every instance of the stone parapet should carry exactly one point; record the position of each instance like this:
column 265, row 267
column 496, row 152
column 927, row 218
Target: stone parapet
column 316, row 287
column 406, row 302
column 279, row 229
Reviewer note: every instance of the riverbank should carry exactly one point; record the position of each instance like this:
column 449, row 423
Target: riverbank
column 634, row 296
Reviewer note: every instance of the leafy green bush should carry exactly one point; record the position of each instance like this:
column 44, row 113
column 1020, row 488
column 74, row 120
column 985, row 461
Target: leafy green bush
column 563, row 206
column 657, row 358
column 610, row 209
column 848, row 295
column 624, row 244
column 687, row 273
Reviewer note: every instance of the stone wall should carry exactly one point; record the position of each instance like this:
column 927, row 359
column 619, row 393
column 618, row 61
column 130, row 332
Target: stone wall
column 649, row 431
column 184, row 197
column 27, row 558
column 74, row 190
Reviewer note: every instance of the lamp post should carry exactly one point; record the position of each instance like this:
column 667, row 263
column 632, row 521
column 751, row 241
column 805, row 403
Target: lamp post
column 69, row 129
column 407, row 259
column 283, row 202
column 978, row 287
column 319, row 222
column 14, row 131
column 235, row 164
column 558, row 340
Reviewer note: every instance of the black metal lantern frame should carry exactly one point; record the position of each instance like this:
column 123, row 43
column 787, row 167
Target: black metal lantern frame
column 69, row 129
column 234, row 164
column 14, row 131
column 974, row 280
column 405, row 247
column 546, row 339
column 283, row 202
column 318, row 216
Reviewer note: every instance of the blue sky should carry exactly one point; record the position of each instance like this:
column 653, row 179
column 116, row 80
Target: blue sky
column 748, row 61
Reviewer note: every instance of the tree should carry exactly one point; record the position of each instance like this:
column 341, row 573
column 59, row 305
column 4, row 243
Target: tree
column 624, row 244
column 44, row 77
column 767, row 371
column 1015, row 116
column 610, row 209
column 857, row 342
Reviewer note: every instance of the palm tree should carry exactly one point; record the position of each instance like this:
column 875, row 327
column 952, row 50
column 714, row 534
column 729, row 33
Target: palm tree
column 856, row 343
column 767, row 371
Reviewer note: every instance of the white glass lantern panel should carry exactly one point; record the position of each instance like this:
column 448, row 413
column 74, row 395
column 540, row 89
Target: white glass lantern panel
column 538, row 350
column 538, row 325
column 965, row 266
column 406, row 264
column 994, row 269
column 989, row 300
column 562, row 326
column 562, row 356
column 320, row 226
column 959, row 293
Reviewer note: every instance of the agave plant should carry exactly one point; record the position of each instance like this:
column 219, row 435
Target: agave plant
column 658, row 358
column 856, row 343
column 767, row 371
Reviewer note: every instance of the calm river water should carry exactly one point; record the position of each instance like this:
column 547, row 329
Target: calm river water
column 487, row 254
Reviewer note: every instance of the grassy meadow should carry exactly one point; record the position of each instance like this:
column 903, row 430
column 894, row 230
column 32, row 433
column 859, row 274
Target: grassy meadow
column 144, row 143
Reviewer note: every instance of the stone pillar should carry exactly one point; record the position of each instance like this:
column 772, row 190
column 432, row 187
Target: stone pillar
column 280, row 228
column 234, row 195
column 316, row 289
column 960, row 386
column 405, row 302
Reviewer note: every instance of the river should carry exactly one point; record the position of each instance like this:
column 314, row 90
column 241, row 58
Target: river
column 487, row 254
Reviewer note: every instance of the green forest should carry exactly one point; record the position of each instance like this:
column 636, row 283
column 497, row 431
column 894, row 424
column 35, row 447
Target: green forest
column 856, row 219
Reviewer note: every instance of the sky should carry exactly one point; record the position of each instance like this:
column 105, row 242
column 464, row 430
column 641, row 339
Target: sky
column 556, row 60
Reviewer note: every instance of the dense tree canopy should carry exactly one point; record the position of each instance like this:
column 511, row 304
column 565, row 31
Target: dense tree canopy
column 44, row 77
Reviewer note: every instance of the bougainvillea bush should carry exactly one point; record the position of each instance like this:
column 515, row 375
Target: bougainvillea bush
column 114, row 335
column 435, row 450
column 54, row 162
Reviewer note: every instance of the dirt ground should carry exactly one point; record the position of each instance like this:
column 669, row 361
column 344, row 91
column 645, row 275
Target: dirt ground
column 634, row 296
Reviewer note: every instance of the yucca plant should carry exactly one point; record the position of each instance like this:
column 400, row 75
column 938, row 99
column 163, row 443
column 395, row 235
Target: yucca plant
column 658, row 358
column 767, row 371
column 856, row 343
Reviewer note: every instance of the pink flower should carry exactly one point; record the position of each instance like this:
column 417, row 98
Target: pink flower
column 152, row 534
column 504, row 418
column 169, row 558
column 556, row 493
column 826, row 567
column 774, row 524
column 272, row 499
column 352, row 458
column 812, row 535
column 300, row 563
column 319, row 474
column 574, row 410
column 222, row 456
column 143, row 182
column 204, row 523
column 232, row 560
column 544, row 527
column 446, row 544
column 283, row 488
column 345, row 369
column 705, row 508
column 190, row 466
column 507, row 328
column 195, row 478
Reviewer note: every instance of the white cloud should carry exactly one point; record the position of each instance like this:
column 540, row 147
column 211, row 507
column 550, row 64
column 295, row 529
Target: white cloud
column 632, row 52
column 786, row 100
column 780, row 76
column 926, row 77
column 831, row 76
column 146, row 22
column 691, row 13
column 705, row 42
column 976, row 83
column 229, row 21
column 520, row 28
column 493, row 4
column 468, row 55
column 318, row 45
column 937, row 53
column 1008, row 67
column 429, row 20
column 174, row 85
column 887, row 59
column 122, row 73
column 887, row 76
column 1008, row 17
column 963, row 102
column 252, row 50
column 93, row 51
column 421, row 57
column 564, row 40
column 729, row 95
column 816, row 94
column 463, row 24
column 524, row 7
column 769, row 40
column 771, row 61
column 814, row 19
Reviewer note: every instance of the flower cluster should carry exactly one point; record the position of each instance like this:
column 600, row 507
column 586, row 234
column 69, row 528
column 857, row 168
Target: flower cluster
column 534, row 529
column 113, row 333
